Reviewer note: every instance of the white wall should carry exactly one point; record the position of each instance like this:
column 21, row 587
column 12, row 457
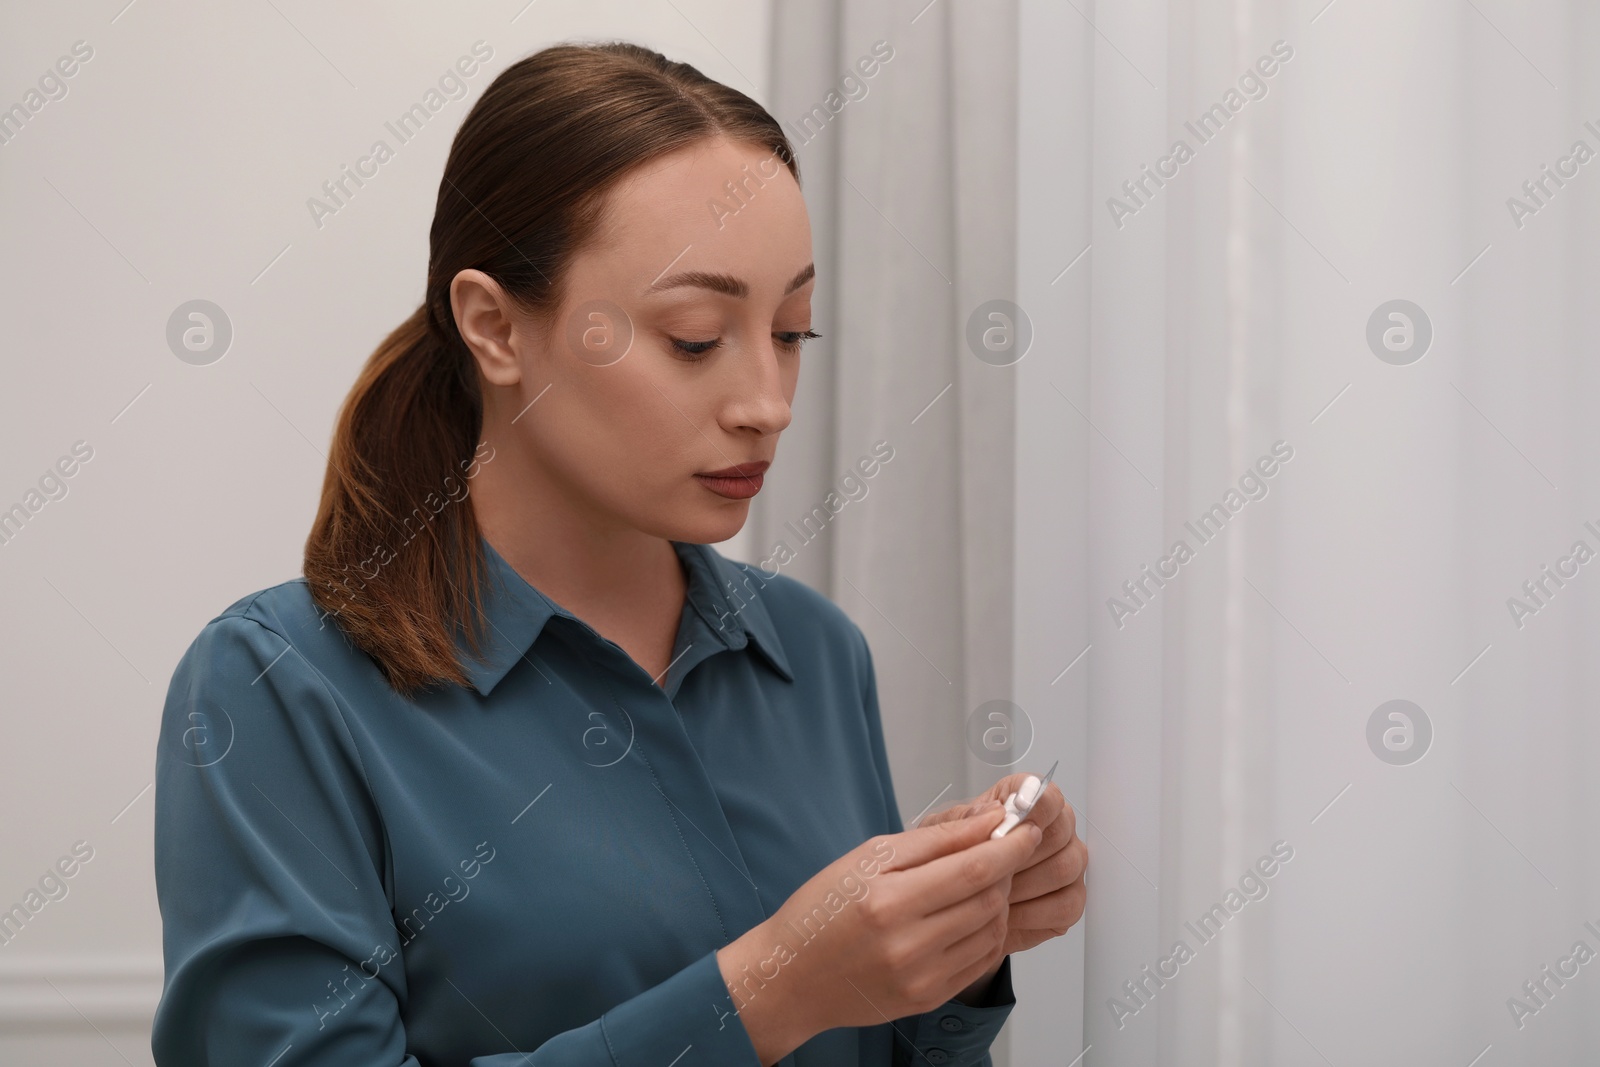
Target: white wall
column 178, row 167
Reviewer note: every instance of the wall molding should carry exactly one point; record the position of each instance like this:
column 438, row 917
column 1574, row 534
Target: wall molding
column 78, row 992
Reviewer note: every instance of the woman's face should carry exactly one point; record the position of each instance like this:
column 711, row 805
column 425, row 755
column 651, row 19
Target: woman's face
column 675, row 352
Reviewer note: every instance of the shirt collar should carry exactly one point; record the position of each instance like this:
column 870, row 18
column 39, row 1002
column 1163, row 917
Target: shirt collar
column 724, row 593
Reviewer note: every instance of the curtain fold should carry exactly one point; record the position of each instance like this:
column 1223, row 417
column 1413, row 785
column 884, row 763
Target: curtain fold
column 905, row 125
column 1208, row 212
column 1224, row 313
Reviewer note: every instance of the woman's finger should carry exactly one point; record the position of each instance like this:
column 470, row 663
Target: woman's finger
column 1052, row 913
column 1060, row 868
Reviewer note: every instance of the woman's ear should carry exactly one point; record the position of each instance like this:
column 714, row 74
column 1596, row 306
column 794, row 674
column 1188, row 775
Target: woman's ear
column 487, row 320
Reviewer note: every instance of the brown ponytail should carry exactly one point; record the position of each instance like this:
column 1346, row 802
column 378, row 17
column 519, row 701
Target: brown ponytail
column 393, row 556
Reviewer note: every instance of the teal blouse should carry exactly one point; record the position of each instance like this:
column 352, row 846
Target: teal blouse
column 537, row 869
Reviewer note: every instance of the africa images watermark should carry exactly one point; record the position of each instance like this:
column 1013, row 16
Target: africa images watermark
column 451, row 85
column 413, row 524
column 739, row 194
column 808, row 128
column 1253, row 485
column 52, row 485
column 455, row 891
column 1142, row 989
column 1543, row 987
column 1539, row 190
column 52, row 86
column 1141, row 190
column 850, row 486
column 52, row 887
column 1542, row 587
column 851, row 90
column 849, row 889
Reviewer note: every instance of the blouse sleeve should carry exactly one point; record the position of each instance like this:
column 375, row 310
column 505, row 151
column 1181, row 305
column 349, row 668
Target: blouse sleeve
column 269, row 862
column 953, row 1034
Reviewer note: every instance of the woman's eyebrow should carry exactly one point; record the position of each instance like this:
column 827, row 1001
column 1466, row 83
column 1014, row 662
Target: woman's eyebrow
column 726, row 283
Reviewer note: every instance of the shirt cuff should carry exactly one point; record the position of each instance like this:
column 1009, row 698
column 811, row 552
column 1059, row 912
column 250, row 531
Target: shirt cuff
column 690, row 1010
column 959, row 1035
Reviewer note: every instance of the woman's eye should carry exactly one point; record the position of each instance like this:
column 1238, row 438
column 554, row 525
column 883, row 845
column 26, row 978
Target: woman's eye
column 793, row 339
column 694, row 350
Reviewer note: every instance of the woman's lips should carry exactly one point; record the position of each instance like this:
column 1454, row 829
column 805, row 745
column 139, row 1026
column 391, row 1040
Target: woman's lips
column 733, row 488
column 738, row 482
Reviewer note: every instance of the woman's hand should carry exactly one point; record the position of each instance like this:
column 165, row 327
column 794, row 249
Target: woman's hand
column 896, row 926
column 1047, row 892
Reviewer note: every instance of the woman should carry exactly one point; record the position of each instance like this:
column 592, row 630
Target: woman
column 522, row 770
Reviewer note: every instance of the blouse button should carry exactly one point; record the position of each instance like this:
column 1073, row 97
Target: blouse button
column 937, row 1056
column 950, row 1023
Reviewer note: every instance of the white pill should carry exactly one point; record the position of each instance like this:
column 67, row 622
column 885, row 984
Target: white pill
column 1029, row 791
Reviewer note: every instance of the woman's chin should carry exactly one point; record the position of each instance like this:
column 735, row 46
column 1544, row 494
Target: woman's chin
column 711, row 524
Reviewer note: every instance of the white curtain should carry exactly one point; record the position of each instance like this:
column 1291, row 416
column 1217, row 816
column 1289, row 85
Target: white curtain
column 1225, row 711
column 904, row 123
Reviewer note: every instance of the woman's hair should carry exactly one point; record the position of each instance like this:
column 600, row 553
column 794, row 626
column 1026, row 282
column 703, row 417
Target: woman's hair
column 394, row 553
